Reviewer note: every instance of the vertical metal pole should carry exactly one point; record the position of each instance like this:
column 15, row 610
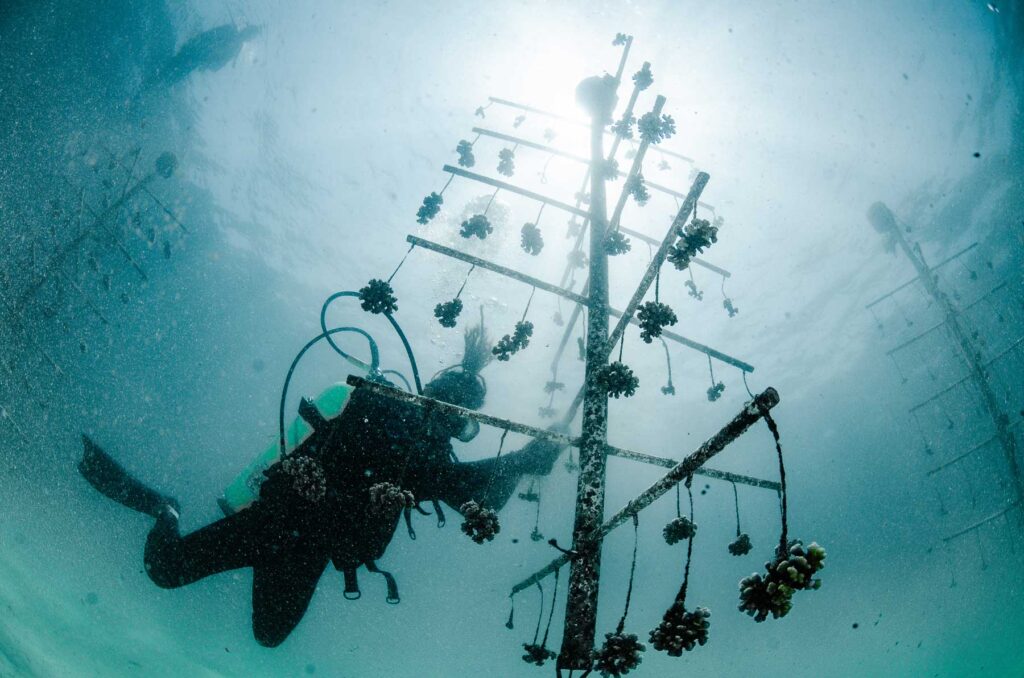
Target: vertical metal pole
column 884, row 220
column 584, row 572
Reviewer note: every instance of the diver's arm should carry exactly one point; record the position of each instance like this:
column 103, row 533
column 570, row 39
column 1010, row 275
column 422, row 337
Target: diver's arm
column 490, row 482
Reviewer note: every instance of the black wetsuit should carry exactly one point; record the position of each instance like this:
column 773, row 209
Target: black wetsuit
column 288, row 537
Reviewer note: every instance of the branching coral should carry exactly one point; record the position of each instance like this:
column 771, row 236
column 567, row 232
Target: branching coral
column 609, row 169
column 165, row 164
column 680, row 630
column 691, row 289
column 695, row 238
column 654, row 129
column 447, row 313
column 537, row 654
column 465, row 151
column 729, row 308
column 509, row 345
column 715, row 391
column 654, row 316
column 643, row 78
column 307, row 476
column 617, row 380
column 531, row 240
column 577, row 259
column 554, row 386
column 619, row 654
column 478, row 225
column 388, row 498
column 636, row 187
column 480, row 524
column 430, row 207
column 623, row 128
column 790, row 571
column 615, row 244
column 680, row 529
column 741, row 546
column 506, row 162
column 378, row 297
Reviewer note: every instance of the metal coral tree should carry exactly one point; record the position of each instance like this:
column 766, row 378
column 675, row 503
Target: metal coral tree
column 596, row 235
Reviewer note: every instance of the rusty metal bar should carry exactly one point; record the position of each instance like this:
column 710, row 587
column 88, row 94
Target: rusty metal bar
column 749, row 415
column 512, row 188
column 980, row 523
column 571, row 296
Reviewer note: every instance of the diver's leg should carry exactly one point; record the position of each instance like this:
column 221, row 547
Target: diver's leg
column 228, row 544
column 282, row 587
column 112, row 480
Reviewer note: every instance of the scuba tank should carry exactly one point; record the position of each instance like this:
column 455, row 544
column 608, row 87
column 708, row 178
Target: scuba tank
column 245, row 488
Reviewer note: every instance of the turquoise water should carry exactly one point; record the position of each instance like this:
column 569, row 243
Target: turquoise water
column 165, row 330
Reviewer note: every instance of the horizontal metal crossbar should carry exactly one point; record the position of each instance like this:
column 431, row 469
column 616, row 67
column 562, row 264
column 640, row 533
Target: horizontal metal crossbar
column 571, row 209
column 496, row 268
column 911, row 282
column 971, row 451
column 512, row 188
column 750, row 413
column 574, row 121
column 980, row 523
column 931, row 329
column 949, row 388
column 572, row 296
column 551, row 436
column 483, row 131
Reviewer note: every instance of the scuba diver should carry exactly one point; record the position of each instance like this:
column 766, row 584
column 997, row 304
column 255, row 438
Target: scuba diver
column 335, row 498
column 208, row 51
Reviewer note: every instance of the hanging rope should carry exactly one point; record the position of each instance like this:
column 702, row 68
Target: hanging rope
column 468, row 273
column 544, row 170
column 501, row 446
column 745, row 385
column 773, row 427
column 669, row 388
column 448, row 183
column 540, row 614
column 489, row 202
column 536, row 221
column 632, row 572
column 528, row 302
column 681, row 596
column 510, row 624
column 402, row 262
column 736, row 501
column 536, row 534
column 551, row 613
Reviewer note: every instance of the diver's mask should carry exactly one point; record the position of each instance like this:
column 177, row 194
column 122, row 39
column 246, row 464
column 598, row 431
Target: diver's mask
column 459, row 388
column 469, row 430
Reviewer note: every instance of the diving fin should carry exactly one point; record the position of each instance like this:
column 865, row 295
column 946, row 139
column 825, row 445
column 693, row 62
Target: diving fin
column 111, row 480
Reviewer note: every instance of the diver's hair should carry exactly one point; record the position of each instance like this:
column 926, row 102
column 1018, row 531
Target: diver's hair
column 462, row 384
column 477, row 352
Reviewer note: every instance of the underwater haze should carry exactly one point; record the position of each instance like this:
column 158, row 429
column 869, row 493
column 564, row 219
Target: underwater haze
column 183, row 184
